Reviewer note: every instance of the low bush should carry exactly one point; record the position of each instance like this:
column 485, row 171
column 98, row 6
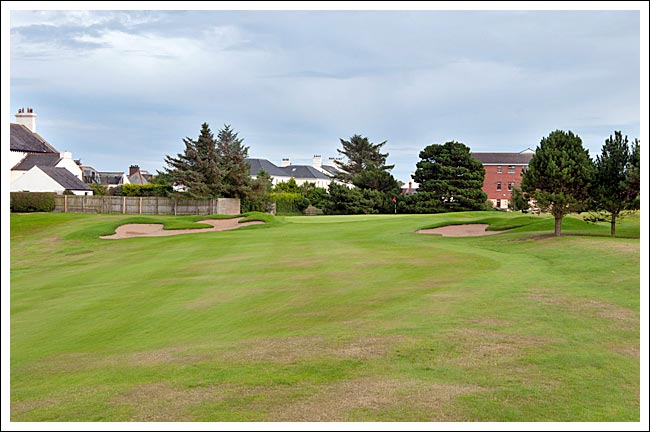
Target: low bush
column 32, row 201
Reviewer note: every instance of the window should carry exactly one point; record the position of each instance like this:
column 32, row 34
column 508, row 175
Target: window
column 499, row 169
column 511, row 186
column 498, row 203
column 511, row 169
column 498, row 186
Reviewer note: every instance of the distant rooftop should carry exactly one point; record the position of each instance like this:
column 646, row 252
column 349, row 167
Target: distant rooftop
column 503, row 158
column 295, row 171
column 65, row 178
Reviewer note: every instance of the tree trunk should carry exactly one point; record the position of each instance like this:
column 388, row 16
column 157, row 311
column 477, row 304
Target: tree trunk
column 558, row 225
column 612, row 224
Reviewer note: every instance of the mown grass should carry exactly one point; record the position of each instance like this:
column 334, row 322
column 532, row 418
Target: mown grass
column 339, row 318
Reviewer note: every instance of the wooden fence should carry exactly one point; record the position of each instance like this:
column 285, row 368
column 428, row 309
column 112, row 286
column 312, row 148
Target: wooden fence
column 145, row 205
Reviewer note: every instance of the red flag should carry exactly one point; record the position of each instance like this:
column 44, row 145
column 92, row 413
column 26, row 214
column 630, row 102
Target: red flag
column 394, row 199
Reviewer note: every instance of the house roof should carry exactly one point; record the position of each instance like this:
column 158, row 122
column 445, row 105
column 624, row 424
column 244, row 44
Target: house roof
column 503, row 158
column 110, row 177
column 295, row 171
column 262, row 164
column 331, row 170
column 37, row 159
column 65, row 178
column 137, row 178
column 24, row 140
column 304, row 172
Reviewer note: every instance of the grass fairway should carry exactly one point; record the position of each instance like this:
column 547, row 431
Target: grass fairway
column 339, row 318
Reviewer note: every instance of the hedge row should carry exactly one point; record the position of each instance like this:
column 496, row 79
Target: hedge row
column 289, row 202
column 32, row 201
column 139, row 190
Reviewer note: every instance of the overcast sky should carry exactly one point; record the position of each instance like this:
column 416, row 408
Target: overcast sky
column 122, row 88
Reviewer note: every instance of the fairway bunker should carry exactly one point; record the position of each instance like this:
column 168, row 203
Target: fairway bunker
column 156, row 230
column 468, row 230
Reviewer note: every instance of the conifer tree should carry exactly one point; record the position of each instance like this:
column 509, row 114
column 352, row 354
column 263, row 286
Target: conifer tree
column 559, row 176
column 617, row 180
column 235, row 172
column 362, row 155
column 450, row 180
column 197, row 168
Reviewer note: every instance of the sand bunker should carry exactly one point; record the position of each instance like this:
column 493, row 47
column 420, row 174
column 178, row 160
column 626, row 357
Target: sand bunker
column 460, row 230
column 156, row 230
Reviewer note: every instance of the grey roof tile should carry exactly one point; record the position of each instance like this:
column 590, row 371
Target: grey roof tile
column 37, row 159
column 24, row 140
column 65, row 178
column 263, row 164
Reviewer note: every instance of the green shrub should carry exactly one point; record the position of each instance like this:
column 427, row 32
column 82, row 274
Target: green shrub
column 289, row 202
column 32, row 201
column 146, row 190
column 99, row 189
column 344, row 200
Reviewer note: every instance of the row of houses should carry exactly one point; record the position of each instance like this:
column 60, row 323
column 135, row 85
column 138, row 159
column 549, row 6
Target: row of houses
column 38, row 167
column 319, row 173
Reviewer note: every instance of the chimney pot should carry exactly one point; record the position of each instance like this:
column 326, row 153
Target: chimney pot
column 133, row 169
column 27, row 119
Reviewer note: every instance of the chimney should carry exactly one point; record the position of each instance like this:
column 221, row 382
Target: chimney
column 317, row 161
column 410, row 185
column 331, row 161
column 133, row 169
column 27, row 118
column 285, row 162
column 66, row 155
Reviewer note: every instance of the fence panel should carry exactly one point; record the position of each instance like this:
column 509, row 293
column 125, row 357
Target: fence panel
column 145, row 205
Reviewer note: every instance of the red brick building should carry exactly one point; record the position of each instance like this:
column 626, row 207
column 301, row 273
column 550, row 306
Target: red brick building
column 502, row 174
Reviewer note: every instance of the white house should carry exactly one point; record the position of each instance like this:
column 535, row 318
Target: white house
column 57, row 160
column 318, row 173
column 50, row 179
column 33, row 159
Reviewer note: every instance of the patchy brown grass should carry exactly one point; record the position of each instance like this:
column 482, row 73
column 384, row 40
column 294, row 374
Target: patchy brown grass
column 630, row 350
column 489, row 351
column 498, row 353
column 163, row 402
column 18, row 408
column 484, row 348
column 72, row 362
column 76, row 395
column 490, row 322
column 336, row 402
column 298, row 348
column 590, row 308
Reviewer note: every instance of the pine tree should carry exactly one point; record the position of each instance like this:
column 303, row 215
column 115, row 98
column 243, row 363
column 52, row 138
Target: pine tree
column 235, row 172
column 617, row 181
column 197, row 168
column 450, row 179
column 559, row 176
column 361, row 155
